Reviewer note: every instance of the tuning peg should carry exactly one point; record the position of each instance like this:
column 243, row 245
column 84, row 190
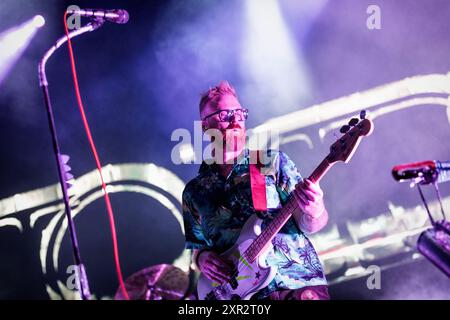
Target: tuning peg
column 344, row 129
column 353, row 122
column 362, row 114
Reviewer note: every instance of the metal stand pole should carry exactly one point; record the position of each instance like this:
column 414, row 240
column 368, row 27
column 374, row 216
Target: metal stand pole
column 433, row 223
column 83, row 281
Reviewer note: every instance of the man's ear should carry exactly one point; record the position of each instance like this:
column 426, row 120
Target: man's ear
column 204, row 126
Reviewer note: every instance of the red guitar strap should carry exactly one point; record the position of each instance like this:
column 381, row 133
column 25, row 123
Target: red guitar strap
column 258, row 183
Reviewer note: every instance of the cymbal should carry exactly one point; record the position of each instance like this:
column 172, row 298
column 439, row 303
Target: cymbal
column 159, row 282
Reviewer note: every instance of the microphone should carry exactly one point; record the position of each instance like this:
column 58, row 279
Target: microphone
column 119, row 16
column 426, row 171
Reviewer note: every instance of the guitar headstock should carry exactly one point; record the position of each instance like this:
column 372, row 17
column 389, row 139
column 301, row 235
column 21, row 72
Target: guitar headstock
column 344, row 147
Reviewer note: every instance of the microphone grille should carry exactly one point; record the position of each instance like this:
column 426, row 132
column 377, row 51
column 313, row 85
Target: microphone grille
column 123, row 16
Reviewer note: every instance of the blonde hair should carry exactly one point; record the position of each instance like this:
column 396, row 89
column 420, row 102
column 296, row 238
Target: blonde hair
column 213, row 94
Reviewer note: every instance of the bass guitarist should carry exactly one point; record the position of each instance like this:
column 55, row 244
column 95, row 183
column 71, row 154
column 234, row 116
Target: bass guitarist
column 218, row 202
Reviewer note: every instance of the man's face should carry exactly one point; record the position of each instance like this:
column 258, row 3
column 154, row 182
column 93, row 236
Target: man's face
column 234, row 127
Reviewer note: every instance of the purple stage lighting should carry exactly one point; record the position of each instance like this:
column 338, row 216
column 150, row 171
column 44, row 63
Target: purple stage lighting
column 14, row 41
column 39, row 21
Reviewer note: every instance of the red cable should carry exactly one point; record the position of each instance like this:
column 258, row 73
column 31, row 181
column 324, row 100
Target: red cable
column 97, row 161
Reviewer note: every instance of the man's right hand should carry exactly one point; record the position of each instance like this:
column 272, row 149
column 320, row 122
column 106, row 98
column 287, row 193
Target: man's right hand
column 214, row 267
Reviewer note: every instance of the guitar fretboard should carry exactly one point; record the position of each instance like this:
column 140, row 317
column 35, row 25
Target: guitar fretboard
column 266, row 235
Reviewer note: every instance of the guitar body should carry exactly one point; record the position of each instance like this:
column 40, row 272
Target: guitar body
column 252, row 276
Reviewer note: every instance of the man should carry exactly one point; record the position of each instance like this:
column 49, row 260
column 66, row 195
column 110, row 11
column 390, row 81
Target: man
column 217, row 203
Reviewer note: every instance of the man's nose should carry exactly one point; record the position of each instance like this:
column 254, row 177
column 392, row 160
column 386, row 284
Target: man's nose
column 232, row 118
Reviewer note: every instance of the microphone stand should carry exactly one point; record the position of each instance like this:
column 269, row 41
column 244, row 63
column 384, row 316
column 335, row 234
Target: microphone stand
column 83, row 285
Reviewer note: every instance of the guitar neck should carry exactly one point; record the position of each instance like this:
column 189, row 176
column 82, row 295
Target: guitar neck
column 265, row 237
column 320, row 171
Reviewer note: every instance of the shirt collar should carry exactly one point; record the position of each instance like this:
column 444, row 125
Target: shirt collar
column 243, row 158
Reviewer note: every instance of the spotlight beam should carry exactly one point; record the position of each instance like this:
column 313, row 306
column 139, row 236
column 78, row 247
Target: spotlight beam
column 14, row 41
column 271, row 62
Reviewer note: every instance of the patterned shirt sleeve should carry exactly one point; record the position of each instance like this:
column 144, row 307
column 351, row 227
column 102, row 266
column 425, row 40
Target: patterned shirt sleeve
column 195, row 238
column 287, row 176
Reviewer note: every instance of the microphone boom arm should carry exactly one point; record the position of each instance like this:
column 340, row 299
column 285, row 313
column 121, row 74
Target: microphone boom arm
column 91, row 26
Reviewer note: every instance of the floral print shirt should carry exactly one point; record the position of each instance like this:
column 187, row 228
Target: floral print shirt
column 215, row 208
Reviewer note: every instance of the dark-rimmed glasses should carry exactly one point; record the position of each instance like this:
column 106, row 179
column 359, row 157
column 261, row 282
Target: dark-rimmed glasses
column 226, row 115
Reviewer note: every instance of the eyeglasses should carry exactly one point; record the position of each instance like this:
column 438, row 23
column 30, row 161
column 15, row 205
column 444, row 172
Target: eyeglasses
column 227, row 115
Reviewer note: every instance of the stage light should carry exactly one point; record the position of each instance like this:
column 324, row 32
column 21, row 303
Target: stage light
column 272, row 59
column 38, row 21
column 14, row 41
